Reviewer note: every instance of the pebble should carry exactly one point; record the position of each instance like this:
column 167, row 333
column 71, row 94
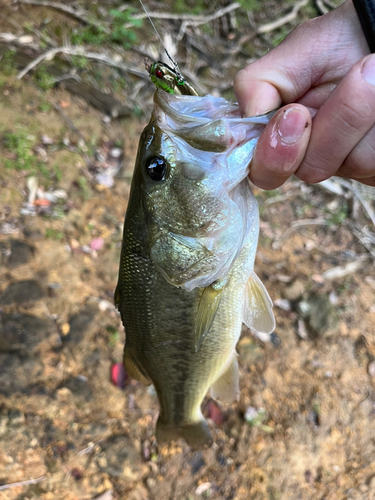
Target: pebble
column 371, row 369
column 283, row 304
column 115, row 152
column 46, row 140
column 97, row 244
column 295, row 290
column 203, row 488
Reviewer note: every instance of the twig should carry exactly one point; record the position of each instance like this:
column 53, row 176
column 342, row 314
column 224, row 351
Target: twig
column 22, row 483
column 299, row 223
column 365, row 204
column 50, row 54
column 81, row 15
column 362, row 239
column 321, row 7
column 187, row 17
column 206, row 19
column 24, row 40
column 266, row 28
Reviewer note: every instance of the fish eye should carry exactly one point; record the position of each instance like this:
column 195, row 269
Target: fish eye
column 157, row 168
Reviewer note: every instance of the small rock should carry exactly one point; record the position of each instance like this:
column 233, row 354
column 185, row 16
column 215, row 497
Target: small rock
column 115, row 152
column 275, row 339
column 107, row 495
column 78, row 386
column 197, row 462
column 97, row 244
column 32, row 233
column 295, row 291
column 301, row 329
column 64, row 395
column 21, row 333
column 203, row 488
column 21, row 253
column 47, row 141
column 119, row 457
column 283, row 304
column 79, row 324
column 21, row 292
column 255, row 416
column 371, row 369
column 319, row 314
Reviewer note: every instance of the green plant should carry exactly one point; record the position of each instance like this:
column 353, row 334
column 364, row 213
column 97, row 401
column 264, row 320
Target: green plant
column 121, row 31
column 54, row 234
column 20, row 146
column 45, row 107
column 113, row 336
column 80, row 62
column 83, row 184
column 8, row 64
column 44, row 80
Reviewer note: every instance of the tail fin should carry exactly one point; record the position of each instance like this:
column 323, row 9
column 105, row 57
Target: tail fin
column 196, row 434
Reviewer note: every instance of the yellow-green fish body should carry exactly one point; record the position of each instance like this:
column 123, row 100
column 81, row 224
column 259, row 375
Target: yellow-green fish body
column 186, row 280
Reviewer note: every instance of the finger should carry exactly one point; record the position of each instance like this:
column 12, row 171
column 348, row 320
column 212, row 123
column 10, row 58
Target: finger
column 341, row 122
column 360, row 163
column 281, row 147
column 369, row 181
column 316, row 52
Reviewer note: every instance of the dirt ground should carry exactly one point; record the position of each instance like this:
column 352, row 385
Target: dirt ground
column 304, row 427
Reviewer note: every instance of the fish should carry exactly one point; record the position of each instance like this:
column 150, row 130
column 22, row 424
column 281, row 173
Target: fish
column 186, row 277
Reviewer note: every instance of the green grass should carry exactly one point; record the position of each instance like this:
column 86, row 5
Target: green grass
column 54, row 234
column 8, row 65
column 20, row 145
column 113, row 336
column 97, row 35
column 43, row 80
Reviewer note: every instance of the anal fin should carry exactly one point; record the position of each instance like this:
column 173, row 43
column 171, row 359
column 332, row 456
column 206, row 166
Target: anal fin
column 207, row 309
column 258, row 314
column 134, row 368
column 226, row 387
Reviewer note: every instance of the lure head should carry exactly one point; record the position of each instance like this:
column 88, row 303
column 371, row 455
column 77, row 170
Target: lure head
column 167, row 79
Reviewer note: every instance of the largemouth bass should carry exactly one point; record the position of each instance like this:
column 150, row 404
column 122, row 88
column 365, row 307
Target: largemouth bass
column 186, row 279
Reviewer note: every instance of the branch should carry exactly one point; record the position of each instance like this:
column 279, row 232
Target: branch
column 50, row 54
column 22, row 483
column 266, row 28
column 186, row 17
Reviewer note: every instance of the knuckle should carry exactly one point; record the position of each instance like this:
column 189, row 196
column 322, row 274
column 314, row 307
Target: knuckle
column 353, row 117
column 314, row 168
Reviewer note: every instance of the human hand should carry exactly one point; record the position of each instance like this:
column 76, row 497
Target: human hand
column 324, row 69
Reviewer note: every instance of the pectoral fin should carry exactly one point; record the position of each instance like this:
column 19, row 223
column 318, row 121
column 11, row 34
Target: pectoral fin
column 117, row 297
column 258, row 314
column 134, row 368
column 207, row 310
column 226, row 388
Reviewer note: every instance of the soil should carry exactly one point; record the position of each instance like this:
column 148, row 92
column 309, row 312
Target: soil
column 303, row 427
